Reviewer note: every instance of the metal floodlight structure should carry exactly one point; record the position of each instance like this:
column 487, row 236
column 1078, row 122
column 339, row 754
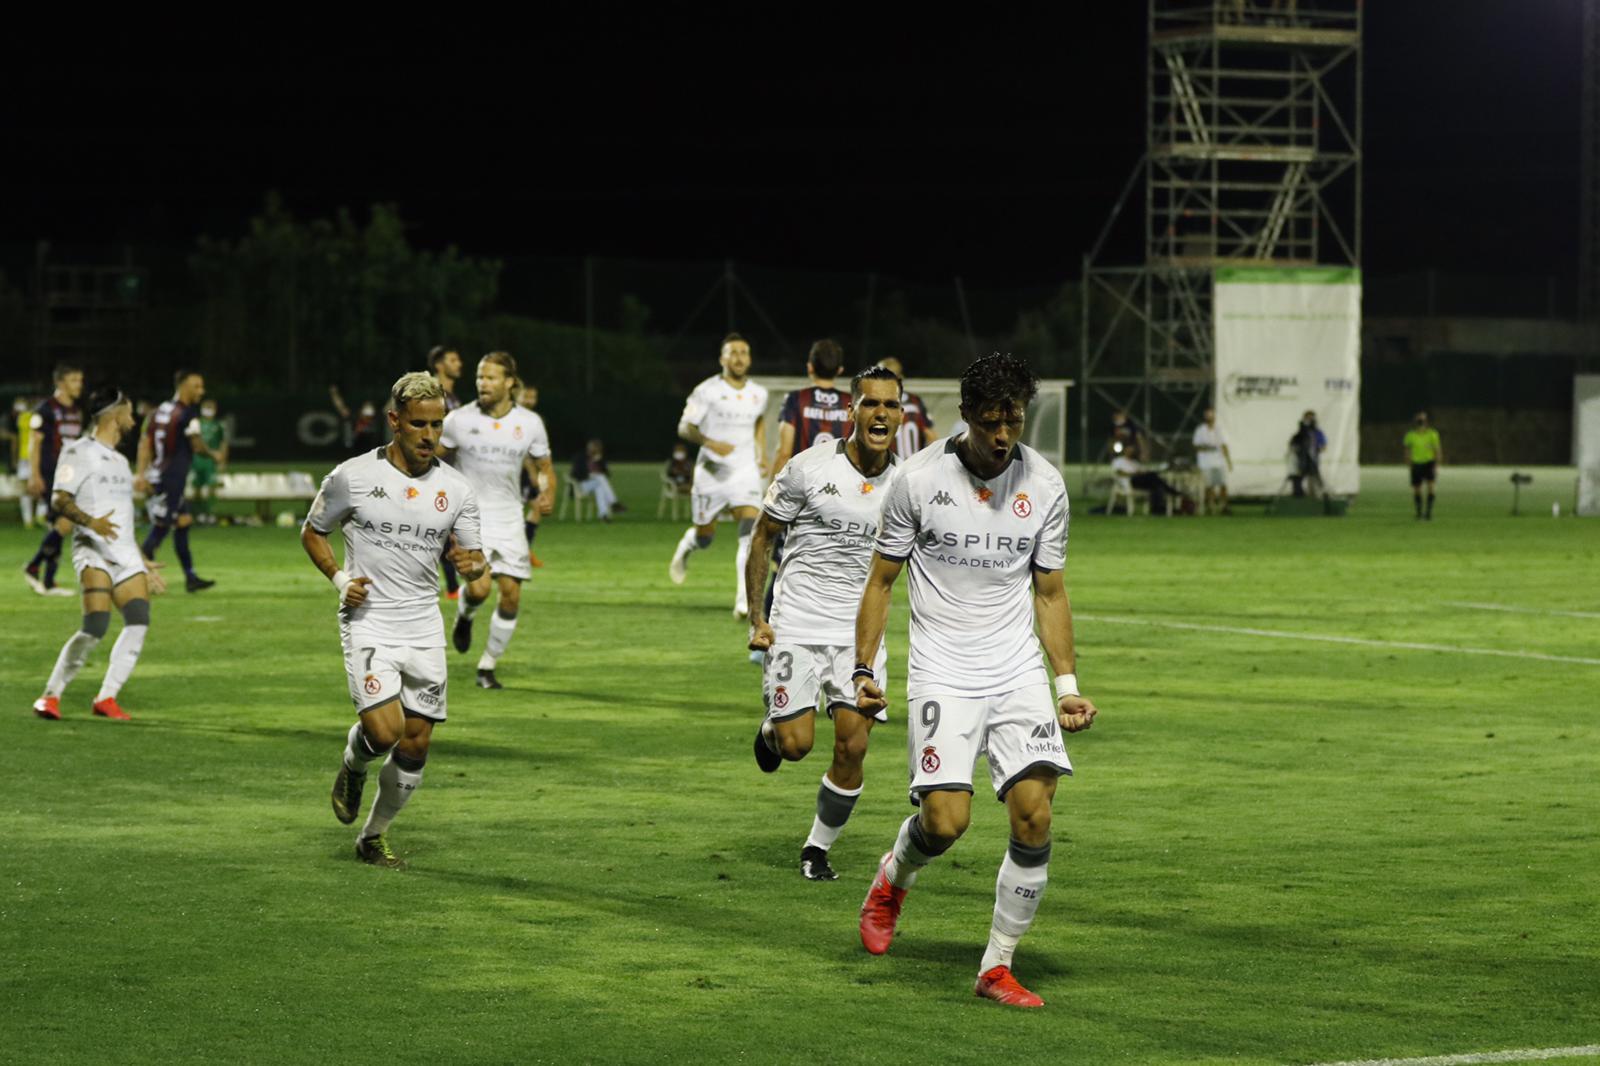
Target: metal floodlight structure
column 1252, row 158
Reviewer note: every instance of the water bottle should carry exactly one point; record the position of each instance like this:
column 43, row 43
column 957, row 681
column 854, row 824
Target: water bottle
column 1555, row 510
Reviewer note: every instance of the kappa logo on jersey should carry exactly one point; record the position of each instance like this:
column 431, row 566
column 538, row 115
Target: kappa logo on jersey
column 377, row 493
column 441, row 502
column 830, row 489
column 942, row 498
column 411, row 492
column 474, row 431
column 930, row 760
column 780, row 698
column 1044, row 732
column 372, row 685
column 1020, row 506
column 985, row 495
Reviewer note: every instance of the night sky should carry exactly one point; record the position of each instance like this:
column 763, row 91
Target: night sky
column 923, row 149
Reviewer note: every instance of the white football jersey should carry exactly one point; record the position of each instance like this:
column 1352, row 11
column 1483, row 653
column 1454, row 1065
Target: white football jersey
column 724, row 413
column 99, row 480
column 1208, row 445
column 490, row 451
column 971, row 547
column 831, row 509
column 395, row 528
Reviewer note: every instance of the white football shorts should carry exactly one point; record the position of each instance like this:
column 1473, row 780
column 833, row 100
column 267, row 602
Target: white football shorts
column 1215, row 477
column 505, row 545
column 710, row 495
column 379, row 673
column 804, row 677
column 120, row 558
column 1017, row 730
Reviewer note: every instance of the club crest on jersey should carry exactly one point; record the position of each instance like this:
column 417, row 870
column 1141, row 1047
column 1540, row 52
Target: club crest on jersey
column 866, row 488
column 1020, row 506
column 780, row 697
column 497, row 425
column 372, row 685
column 930, row 760
column 441, row 502
column 517, row 432
column 411, row 492
column 985, row 495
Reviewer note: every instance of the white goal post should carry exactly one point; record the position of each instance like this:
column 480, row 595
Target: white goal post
column 1045, row 431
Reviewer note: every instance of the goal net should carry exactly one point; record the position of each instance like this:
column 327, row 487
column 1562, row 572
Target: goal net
column 1045, row 430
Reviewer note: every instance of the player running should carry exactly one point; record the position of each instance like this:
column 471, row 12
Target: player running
column 56, row 423
column 828, row 498
column 491, row 441
column 397, row 505
column 982, row 524
column 166, row 451
column 726, row 416
column 93, row 490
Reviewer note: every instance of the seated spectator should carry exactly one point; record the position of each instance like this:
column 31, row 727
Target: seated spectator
column 680, row 468
column 592, row 476
column 1124, row 464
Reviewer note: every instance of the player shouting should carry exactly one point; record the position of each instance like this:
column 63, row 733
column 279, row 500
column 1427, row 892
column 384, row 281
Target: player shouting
column 982, row 524
column 828, row 498
column 94, row 491
column 398, row 507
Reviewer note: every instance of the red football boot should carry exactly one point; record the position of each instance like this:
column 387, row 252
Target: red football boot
column 880, row 910
column 107, row 708
column 1000, row 985
column 48, row 707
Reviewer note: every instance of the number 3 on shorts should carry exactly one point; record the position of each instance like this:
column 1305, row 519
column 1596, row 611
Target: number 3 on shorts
column 930, row 718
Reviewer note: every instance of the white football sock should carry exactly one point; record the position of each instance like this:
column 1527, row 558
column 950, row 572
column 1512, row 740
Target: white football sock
column 907, row 859
column 356, row 753
column 124, row 656
column 27, row 508
column 1017, row 892
column 686, row 544
column 500, row 630
column 74, row 653
column 465, row 608
column 394, row 788
column 741, row 602
column 834, row 805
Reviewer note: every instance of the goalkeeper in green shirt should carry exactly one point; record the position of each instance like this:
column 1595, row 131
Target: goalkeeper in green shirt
column 1424, row 453
column 208, row 467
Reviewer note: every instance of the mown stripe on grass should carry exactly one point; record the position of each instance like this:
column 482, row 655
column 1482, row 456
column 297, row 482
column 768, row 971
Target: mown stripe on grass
column 1330, row 638
column 1587, row 1051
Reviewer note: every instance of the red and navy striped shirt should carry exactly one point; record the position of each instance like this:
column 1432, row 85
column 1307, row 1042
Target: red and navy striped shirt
column 817, row 414
column 916, row 430
column 59, row 424
column 171, row 450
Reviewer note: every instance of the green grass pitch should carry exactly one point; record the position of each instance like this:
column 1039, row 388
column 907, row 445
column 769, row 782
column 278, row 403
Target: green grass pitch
column 1274, row 851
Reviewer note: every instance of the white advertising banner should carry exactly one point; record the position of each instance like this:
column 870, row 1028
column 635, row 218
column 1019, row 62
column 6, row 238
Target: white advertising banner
column 1288, row 342
column 1586, row 441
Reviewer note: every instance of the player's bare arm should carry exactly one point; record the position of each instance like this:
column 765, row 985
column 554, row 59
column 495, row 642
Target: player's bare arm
column 140, row 482
column 1052, row 610
column 469, row 562
column 755, row 578
column 872, row 618
column 36, row 486
column 544, row 468
column 691, row 433
column 761, row 447
column 785, row 451
column 352, row 590
column 68, row 509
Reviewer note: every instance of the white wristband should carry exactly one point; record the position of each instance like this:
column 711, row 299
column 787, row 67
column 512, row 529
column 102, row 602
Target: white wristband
column 1066, row 685
column 341, row 581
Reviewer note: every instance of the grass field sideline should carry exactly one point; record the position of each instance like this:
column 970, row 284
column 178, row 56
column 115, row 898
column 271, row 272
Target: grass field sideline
column 1274, row 850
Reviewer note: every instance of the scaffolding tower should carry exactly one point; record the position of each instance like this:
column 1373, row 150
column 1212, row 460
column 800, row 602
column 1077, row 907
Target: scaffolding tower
column 1252, row 158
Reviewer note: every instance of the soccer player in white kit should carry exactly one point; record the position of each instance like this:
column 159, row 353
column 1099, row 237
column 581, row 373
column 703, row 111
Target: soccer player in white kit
column 398, row 508
column 94, row 491
column 828, row 498
column 726, row 416
column 981, row 521
column 490, row 441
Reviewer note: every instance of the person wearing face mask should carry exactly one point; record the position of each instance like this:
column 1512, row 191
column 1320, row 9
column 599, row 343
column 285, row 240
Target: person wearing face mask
column 209, row 466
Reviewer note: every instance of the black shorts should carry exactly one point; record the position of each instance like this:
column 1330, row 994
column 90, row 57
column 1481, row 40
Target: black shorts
column 164, row 505
column 1421, row 472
